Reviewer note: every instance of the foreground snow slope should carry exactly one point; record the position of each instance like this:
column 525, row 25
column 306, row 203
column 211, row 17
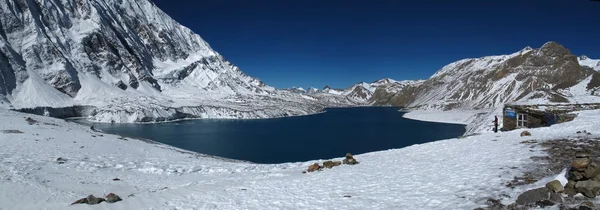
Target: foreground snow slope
column 448, row 174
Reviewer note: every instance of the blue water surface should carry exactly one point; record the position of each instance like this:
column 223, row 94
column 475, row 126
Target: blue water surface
column 328, row 135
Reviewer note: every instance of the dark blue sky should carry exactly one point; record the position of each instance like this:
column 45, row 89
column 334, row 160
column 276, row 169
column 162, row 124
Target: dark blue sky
column 340, row 42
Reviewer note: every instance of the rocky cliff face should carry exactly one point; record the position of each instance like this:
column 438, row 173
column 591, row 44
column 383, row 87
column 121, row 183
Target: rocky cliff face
column 126, row 58
column 491, row 81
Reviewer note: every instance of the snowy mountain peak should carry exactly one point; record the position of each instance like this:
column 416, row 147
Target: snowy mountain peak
column 127, row 59
column 491, row 81
column 362, row 92
column 384, row 81
column 298, row 88
column 554, row 49
column 312, row 90
column 526, row 49
column 588, row 62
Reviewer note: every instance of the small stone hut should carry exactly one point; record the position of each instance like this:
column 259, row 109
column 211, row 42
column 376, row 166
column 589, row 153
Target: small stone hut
column 532, row 116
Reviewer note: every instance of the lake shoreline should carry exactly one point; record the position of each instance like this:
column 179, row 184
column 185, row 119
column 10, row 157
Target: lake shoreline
column 84, row 119
column 286, row 139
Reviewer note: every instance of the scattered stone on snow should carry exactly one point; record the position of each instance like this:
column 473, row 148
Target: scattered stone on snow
column 347, row 196
column 313, row 167
column 61, row 160
column 90, row 200
column 12, row 131
column 113, row 198
column 564, row 153
column 542, row 197
column 331, row 164
column 350, row 160
column 31, row 121
column 529, row 142
column 494, row 204
column 525, row 133
column 584, row 132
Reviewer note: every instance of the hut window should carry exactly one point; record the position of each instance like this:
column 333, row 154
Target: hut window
column 522, row 120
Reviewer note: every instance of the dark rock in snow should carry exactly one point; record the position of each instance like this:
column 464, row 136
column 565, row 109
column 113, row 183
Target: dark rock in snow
column 350, row 160
column 589, row 188
column 525, row 133
column 12, row 131
column 313, row 167
column 331, row 164
column 121, row 85
column 113, row 198
column 61, row 160
column 90, row 200
column 31, row 121
column 542, row 197
column 555, row 186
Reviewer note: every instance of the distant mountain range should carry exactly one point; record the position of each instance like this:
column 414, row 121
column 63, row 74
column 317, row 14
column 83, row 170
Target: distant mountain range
column 547, row 74
column 361, row 93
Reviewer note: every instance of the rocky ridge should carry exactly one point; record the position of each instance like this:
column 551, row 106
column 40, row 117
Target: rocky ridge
column 126, row 61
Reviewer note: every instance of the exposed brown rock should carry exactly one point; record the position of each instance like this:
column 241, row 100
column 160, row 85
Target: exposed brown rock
column 542, row 197
column 90, row 200
column 113, row 198
column 525, row 133
column 580, row 164
column 349, row 160
column 331, row 164
column 313, row 167
column 591, row 172
column 589, row 188
column 555, row 186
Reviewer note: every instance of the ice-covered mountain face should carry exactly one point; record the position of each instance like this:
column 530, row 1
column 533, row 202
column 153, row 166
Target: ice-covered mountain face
column 129, row 60
column 363, row 93
column 491, row 81
column 592, row 63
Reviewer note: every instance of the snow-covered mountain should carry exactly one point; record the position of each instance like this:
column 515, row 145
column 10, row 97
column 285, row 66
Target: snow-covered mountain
column 129, row 61
column 550, row 73
column 592, row 63
column 362, row 92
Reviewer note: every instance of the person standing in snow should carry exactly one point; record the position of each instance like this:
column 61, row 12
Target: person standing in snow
column 495, row 124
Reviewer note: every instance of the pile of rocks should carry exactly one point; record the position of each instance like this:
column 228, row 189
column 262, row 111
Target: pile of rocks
column 92, row 200
column 584, row 177
column 349, row 160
